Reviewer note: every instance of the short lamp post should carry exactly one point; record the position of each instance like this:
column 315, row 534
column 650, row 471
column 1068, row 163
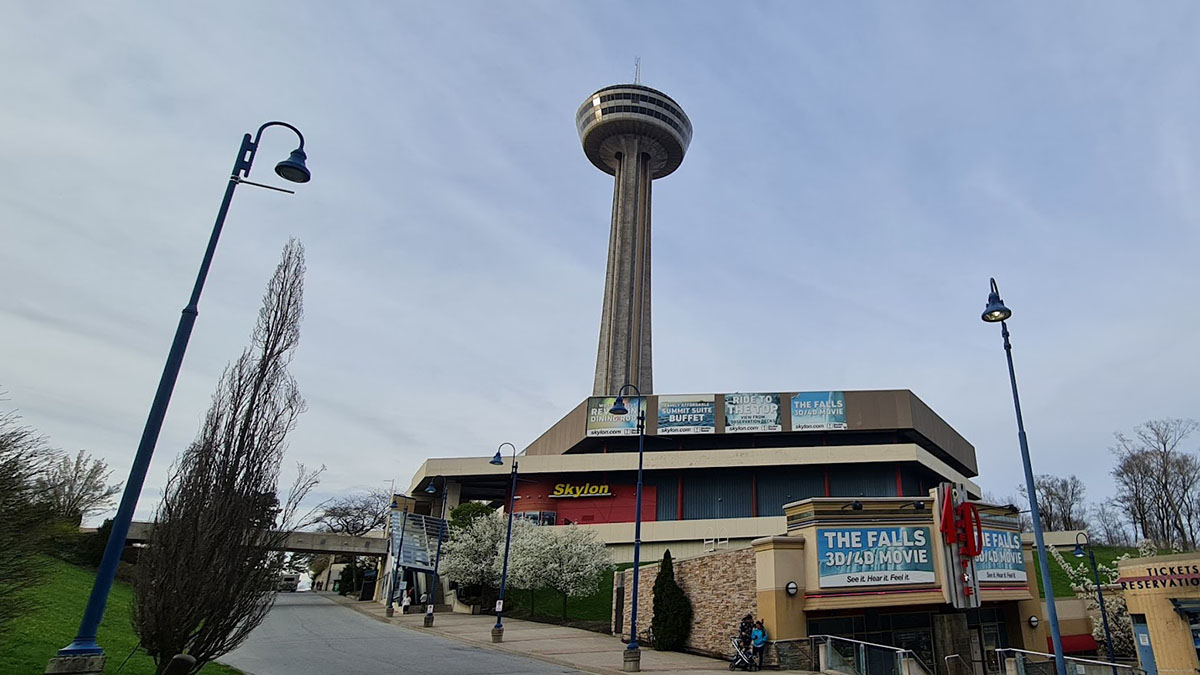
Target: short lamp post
column 996, row 312
column 430, row 490
column 1082, row 543
column 632, row 662
column 498, row 460
column 83, row 655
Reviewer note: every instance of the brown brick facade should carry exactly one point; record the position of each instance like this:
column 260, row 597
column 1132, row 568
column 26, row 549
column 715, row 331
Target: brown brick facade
column 720, row 585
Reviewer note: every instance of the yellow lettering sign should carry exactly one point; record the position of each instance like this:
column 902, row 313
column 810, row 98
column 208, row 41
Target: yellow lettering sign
column 585, row 490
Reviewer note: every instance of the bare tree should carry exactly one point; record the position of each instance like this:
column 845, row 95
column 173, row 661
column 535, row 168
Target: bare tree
column 209, row 576
column 24, row 519
column 355, row 514
column 1158, row 482
column 1108, row 528
column 1060, row 501
column 76, row 488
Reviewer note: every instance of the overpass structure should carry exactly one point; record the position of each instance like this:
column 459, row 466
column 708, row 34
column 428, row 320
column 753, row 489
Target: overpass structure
column 297, row 542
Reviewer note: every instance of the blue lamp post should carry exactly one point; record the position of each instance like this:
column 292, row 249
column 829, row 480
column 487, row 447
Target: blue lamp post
column 1080, row 545
column 633, row 655
column 430, row 490
column 497, row 460
column 84, row 647
column 996, row 312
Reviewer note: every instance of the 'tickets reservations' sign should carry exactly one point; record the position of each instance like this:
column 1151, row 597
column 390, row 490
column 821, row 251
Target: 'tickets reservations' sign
column 874, row 556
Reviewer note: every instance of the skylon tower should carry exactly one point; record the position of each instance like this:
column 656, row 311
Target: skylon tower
column 635, row 134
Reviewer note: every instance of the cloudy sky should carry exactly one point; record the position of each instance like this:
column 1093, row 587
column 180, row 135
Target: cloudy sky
column 858, row 171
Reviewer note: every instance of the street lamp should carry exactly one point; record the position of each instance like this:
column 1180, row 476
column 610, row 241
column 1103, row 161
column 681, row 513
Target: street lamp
column 996, row 312
column 497, row 460
column 83, row 653
column 430, row 490
column 633, row 655
column 1079, row 548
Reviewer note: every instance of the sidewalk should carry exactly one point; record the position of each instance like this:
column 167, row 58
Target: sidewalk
column 570, row 647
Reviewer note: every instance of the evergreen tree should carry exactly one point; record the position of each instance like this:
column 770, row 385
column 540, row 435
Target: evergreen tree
column 672, row 620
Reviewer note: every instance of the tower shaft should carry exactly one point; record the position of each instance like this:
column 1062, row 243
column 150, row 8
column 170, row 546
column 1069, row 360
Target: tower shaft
column 624, row 354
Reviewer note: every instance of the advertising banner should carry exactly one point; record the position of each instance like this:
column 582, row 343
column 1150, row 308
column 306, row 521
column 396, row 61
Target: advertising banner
column 600, row 422
column 818, row 410
column 874, row 556
column 687, row 414
column 1002, row 558
column 752, row 412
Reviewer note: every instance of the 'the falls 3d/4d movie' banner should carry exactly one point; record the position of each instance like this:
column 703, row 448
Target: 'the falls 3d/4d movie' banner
column 752, row 412
column 818, row 410
column 1002, row 558
column 601, row 422
column 687, row 415
column 874, row 556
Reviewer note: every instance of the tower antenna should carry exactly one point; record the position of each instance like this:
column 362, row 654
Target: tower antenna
column 637, row 70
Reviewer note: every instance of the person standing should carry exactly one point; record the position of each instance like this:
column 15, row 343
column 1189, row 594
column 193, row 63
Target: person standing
column 745, row 628
column 758, row 639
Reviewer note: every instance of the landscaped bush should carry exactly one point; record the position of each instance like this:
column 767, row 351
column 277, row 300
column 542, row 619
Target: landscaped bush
column 672, row 621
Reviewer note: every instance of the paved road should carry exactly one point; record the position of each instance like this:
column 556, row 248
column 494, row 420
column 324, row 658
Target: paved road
column 306, row 634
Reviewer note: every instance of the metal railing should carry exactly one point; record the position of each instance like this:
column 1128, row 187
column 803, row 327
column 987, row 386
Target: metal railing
column 1039, row 663
column 855, row 657
column 957, row 665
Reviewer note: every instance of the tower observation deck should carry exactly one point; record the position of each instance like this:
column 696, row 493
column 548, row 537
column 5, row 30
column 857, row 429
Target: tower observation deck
column 635, row 134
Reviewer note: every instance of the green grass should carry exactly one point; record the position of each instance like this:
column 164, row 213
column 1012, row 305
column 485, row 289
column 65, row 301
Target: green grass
column 51, row 624
column 596, row 607
column 1105, row 555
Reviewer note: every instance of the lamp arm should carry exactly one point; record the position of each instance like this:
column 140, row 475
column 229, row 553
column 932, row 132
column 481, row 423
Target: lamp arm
column 250, row 148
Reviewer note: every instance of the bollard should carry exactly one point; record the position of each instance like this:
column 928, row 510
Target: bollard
column 498, row 634
column 390, row 611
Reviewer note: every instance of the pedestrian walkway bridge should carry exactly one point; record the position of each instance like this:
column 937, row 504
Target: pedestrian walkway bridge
column 297, row 542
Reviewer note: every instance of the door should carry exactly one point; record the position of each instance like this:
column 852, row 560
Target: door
column 1141, row 638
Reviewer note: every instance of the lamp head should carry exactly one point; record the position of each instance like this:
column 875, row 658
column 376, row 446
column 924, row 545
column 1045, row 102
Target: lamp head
column 293, row 168
column 856, row 505
column 995, row 311
column 497, row 459
column 618, row 407
column 1078, row 550
column 430, row 490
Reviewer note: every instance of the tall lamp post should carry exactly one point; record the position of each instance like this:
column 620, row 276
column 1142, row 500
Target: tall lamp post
column 1086, row 543
column 83, row 654
column 498, row 460
column 437, row 559
column 633, row 655
column 996, row 312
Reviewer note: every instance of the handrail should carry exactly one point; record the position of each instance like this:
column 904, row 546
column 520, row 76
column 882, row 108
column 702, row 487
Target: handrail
column 860, row 642
column 1070, row 658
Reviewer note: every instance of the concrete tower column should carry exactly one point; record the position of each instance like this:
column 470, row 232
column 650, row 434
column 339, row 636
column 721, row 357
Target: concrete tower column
column 636, row 134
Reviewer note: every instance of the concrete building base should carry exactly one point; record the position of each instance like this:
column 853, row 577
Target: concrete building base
column 632, row 662
column 76, row 665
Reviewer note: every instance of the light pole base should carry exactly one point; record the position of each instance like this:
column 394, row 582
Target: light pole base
column 390, row 611
column 428, row 620
column 632, row 662
column 92, row 664
column 498, row 634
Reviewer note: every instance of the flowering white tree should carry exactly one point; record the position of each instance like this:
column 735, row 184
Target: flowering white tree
column 568, row 560
column 474, row 555
column 1119, row 624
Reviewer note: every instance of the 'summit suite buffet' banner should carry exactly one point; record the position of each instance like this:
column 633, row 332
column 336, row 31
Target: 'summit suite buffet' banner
column 696, row 414
column 874, row 556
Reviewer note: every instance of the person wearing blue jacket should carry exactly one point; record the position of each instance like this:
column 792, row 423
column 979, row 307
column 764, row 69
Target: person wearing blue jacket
column 758, row 639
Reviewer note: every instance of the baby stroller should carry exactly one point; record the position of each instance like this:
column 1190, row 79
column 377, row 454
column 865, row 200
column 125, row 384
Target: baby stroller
column 743, row 658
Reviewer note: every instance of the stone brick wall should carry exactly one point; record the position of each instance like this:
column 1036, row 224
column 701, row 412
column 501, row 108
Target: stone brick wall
column 722, row 587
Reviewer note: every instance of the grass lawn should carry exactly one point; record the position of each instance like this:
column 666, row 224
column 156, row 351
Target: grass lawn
column 1105, row 555
column 548, row 603
column 34, row 638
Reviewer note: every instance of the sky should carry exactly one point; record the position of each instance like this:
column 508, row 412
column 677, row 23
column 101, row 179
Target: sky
column 858, row 171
